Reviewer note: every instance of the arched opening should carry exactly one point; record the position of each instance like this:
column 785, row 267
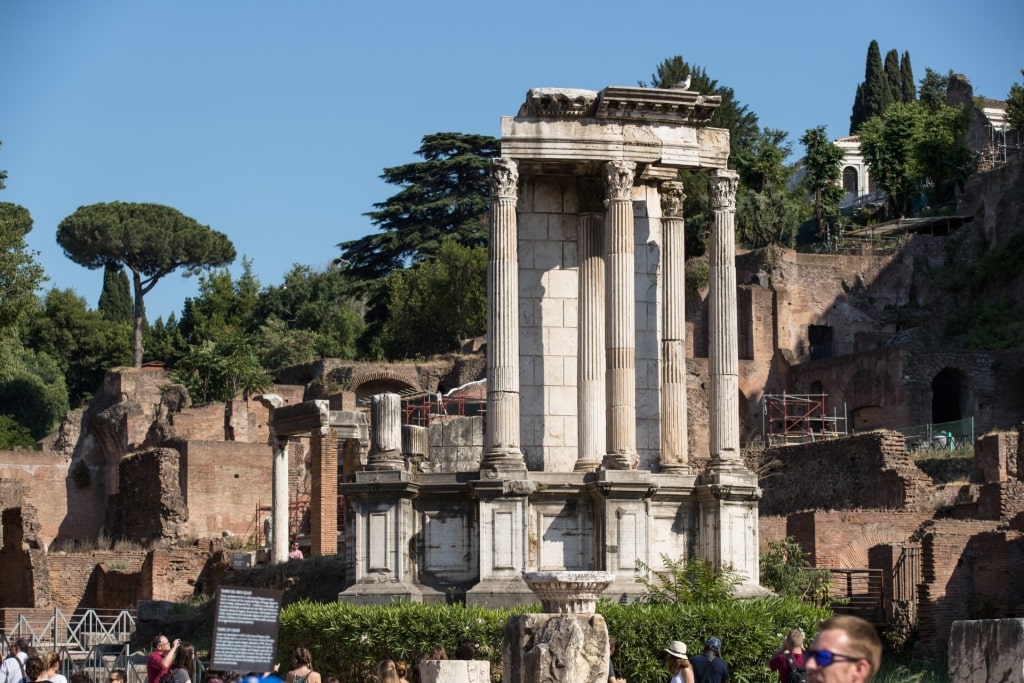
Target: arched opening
column 949, row 391
column 850, row 182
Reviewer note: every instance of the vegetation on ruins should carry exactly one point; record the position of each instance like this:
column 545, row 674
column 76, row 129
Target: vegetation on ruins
column 436, row 304
column 822, row 164
column 912, row 143
column 151, row 240
column 786, row 569
column 1015, row 105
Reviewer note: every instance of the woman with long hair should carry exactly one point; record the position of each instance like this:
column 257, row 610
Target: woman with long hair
column 387, row 672
column 303, row 671
column 183, row 667
column 677, row 663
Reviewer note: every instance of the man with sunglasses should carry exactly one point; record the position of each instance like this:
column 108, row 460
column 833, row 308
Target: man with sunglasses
column 847, row 649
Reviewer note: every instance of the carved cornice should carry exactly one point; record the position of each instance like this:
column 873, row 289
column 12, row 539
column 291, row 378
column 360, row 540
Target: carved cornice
column 504, row 178
column 672, row 198
column 722, row 189
column 558, row 103
column 618, row 175
column 617, row 103
column 656, row 105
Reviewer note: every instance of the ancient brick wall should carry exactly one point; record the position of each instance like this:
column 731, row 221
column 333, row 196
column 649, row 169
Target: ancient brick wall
column 206, row 422
column 172, row 574
column 947, row 589
column 770, row 528
column 223, row 482
column 74, row 576
column 47, row 475
column 869, row 470
column 844, row 538
column 149, row 505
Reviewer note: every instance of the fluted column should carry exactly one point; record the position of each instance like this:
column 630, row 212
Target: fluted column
column 620, row 317
column 591, row 359
column 386, row 436
column 723, row 355
column 674, row 434
column 502, row 453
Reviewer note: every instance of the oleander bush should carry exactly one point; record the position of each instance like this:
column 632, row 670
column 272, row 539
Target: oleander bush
column 347, row 640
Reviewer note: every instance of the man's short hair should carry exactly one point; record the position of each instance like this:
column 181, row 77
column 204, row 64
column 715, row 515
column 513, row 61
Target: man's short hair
column 862, row 636
column 156, row 640
column 795, row 638
column 22, row 645
column 118, row 675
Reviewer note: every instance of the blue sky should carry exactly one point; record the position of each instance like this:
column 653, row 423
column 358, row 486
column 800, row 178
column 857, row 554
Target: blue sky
column 271, row 121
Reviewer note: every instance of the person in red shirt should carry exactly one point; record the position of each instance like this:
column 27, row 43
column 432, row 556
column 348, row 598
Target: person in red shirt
column 159, row 661
column 792, row 644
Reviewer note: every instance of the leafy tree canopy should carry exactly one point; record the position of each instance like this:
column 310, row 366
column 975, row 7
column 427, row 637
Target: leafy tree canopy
column 320, row 308
column 438, row 303
column 32, row 390
column 1015, row 105
column 14, row 435
column 912, row 143
column 151, row 240
column 445, row 195
column 932, row 92
column 731, row 114
column 822, row 180
column 83, row 343
column 767, row 210
column 20, row 275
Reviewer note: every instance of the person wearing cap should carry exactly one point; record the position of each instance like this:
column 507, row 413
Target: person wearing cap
column 709, row 667
column 847, row 649
column 677, row 663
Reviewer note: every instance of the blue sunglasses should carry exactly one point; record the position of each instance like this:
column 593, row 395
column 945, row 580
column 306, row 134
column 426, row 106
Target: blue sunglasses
column 825, row 658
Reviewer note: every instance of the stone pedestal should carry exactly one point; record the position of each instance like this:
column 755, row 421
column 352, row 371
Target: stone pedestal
column 382, row 528
column 455, row 671
column 566, row 644
column 504, row 528
column 727, row 528
column 624, row 520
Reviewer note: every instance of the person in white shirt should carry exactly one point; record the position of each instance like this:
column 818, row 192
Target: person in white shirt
column 12, row 670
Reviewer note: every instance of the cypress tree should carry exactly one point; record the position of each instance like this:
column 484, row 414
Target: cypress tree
column 907, row 87
column 893, row 75
column 876, row 95
column 857, row 116
column 116, row 297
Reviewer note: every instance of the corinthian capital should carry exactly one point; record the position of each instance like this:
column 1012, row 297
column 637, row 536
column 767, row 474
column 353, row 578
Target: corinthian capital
column 618, row 175
column 504, row 178
column 672, row 198
column 722, row 189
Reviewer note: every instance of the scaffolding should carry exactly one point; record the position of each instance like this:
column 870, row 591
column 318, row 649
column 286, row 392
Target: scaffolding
column 799, row 418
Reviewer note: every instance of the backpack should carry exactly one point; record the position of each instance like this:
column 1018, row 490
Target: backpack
column 797, row 674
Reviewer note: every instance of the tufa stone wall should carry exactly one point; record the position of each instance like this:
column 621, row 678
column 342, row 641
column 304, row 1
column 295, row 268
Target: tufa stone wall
column 869, row 470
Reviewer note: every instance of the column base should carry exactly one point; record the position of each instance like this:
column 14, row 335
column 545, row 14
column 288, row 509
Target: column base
column 620, row 461
column 503, row 464
column 587, row 465
column 674, row 468
column 370, row 593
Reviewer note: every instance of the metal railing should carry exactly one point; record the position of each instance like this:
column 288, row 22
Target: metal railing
column 860, row 593
column 79, row 632
column 955, row 435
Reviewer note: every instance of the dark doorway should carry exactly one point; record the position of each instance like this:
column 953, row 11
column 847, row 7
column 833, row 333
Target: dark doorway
column 819, row 337
column 948, row 391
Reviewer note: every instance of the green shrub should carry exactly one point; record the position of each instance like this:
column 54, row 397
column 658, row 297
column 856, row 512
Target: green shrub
column 348, row 640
